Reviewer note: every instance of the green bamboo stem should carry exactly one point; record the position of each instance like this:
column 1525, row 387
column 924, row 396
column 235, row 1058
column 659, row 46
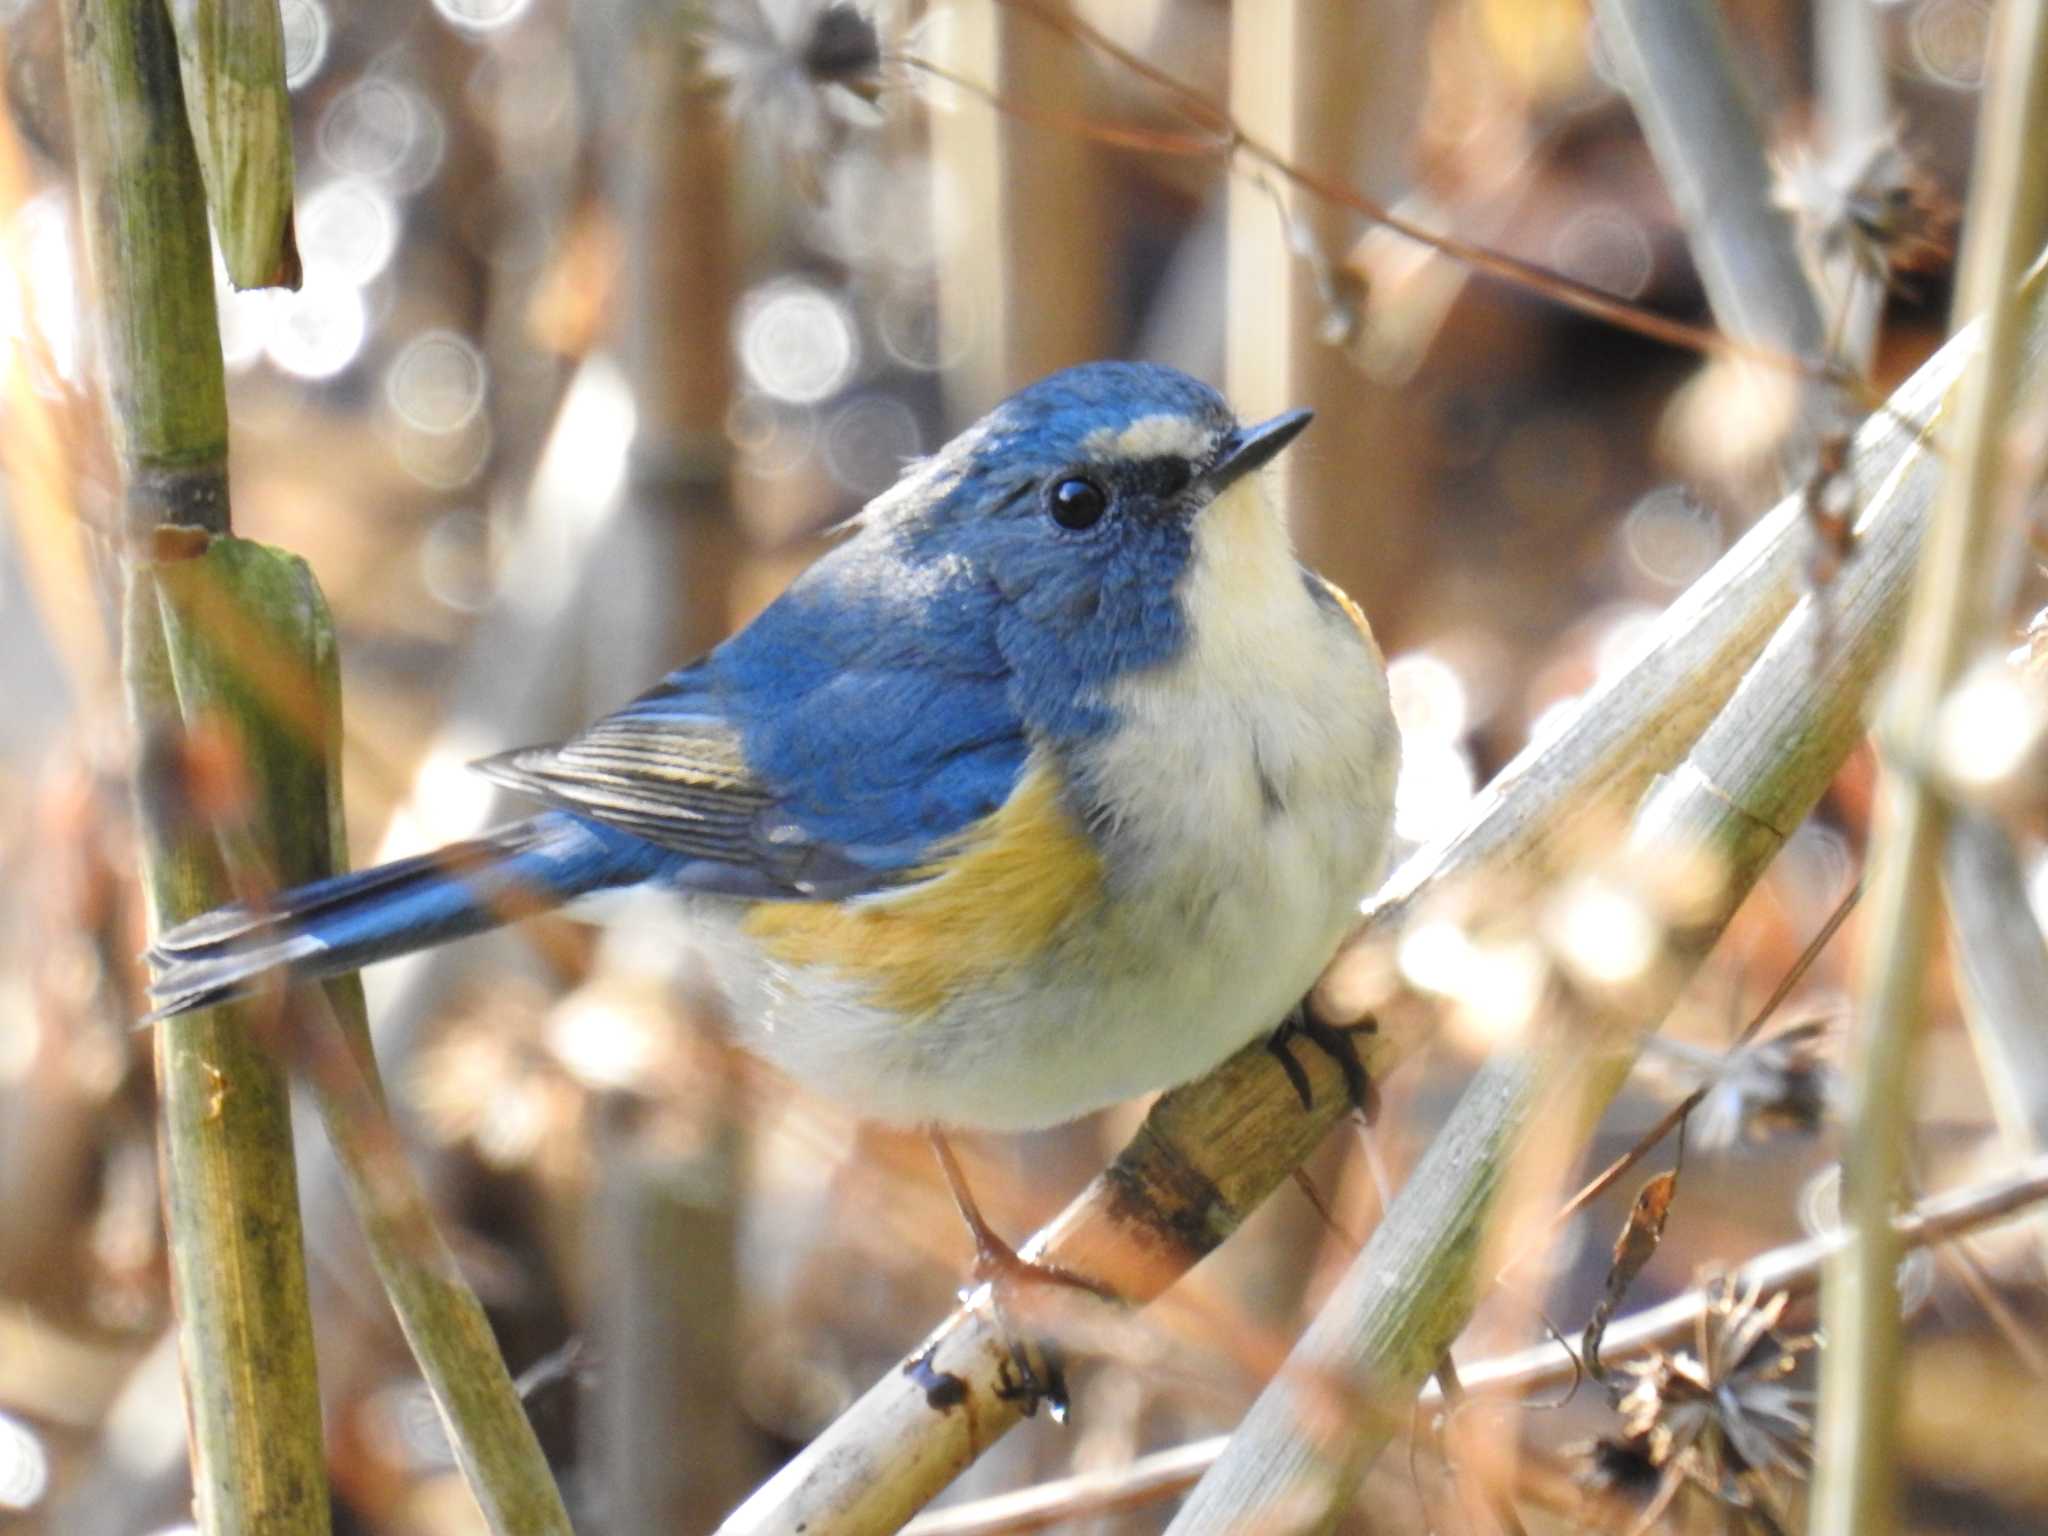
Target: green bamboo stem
column 1856, row 1482
column 145, row 233
column 235, row 637
column 230, row 1191
column 225, row 1138
column 258, row 648
column 442, row 1320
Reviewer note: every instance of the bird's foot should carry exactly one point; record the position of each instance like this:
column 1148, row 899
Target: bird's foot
column 1338, row 1042
column 1034, row 1371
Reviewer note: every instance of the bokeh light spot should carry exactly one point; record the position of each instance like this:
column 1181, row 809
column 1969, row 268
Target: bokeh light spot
column 382, row 129
column 867, row 443
column 480, row 15
column 1605, row 247
column 348, row 230
column 24, row 1465
column 455, row 560
column 1671, row 537
column 436, row 383
column 1989, row 727
column 796, row 341
column 1437, row 782
column 603, row 1044
column 246, row 318
column 907, row 320
column 773, row 438
column 1602, row 932
column 317, row 332
column 1429, row 698
column 1948, row 39
column 446, row 461
column 42, row 236
column 307, row 32
column 1624, row 638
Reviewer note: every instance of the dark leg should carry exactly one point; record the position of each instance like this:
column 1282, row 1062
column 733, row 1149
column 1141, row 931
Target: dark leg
column 995, row 1261
column 1034, row 1372
column 1334, row 1041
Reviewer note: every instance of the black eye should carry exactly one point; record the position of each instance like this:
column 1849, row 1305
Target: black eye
column 1078, row 503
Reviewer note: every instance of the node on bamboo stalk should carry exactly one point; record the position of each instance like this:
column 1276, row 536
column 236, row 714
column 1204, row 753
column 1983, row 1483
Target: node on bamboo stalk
column 252, row 662
column 226, row 1158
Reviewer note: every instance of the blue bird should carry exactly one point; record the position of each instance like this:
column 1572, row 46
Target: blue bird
column 1054, row 783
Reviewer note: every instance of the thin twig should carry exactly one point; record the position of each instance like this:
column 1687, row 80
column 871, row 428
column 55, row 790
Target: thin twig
column 1795, row 1268
column 1749, row 781
column 1219, row 134
column 1211, row 1151
column 1679, row 1113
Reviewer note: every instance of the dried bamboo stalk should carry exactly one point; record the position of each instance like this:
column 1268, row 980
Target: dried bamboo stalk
column 1794, row 1269
column 1701, row 838
column 1209, row 1152
column 1856, row 1470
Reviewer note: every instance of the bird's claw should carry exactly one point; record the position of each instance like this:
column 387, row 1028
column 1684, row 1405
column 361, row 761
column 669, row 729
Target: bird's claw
column 1333, row 1040
column 1027, row 1382
column 1033, row 1371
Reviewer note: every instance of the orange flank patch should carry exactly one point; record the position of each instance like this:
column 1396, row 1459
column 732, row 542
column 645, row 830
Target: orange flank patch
column 995, row 899
column 1352, row 611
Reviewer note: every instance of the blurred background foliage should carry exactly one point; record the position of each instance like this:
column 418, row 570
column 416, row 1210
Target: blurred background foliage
column 610, row 311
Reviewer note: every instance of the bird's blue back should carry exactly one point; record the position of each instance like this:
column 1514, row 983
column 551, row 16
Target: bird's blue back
column 947, row 701
column 889, row 698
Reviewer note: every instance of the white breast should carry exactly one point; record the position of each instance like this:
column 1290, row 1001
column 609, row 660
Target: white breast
column 1241, row 809
column 1245, row 801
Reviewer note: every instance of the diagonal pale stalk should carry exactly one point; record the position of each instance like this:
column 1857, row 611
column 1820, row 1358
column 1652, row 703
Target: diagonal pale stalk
column 254, row 643
column 1852, row 92
column 1678, row 65
column 1346, row 1389
column 231, row 57
column 1211, row 1151
column 2001, row 964
column 1856, row 1468
column 1794, row 1269
column 245, row 1336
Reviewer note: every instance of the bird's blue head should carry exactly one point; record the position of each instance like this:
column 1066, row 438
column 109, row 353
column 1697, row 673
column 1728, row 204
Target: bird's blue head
column 1067, row 526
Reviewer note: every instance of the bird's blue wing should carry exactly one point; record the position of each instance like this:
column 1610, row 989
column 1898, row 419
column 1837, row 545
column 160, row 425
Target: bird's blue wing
column 830, row 748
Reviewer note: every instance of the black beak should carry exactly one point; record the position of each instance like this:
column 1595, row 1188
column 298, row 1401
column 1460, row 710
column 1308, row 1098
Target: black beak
column 1250, row 448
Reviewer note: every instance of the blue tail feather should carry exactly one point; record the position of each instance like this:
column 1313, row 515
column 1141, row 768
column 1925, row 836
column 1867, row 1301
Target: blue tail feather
column 339, row 924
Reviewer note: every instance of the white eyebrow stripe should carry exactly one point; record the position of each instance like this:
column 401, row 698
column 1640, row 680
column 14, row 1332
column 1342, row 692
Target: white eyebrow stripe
column 1159, row 436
